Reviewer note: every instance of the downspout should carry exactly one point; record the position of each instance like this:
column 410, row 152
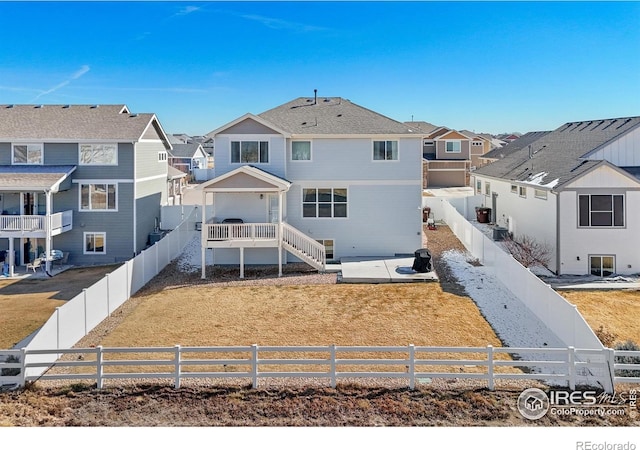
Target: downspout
column 558, row 271
column 47, row 231
column 135, row 198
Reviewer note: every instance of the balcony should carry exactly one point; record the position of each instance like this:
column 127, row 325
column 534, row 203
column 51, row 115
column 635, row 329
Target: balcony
column 220, row 235
column 35, row 225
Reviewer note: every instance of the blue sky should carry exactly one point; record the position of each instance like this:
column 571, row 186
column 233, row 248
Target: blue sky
column 485, row 66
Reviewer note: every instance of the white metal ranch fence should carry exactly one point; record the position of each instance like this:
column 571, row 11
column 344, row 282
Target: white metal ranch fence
column 555, row 366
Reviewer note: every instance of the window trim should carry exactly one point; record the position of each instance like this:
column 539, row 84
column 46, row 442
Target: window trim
column 612, row 212
column 386, row 142
column 107, row 183
column 478, row 186
column 240, row 141
column 84, row 243
column 322, row 241
column 522, row 191
column 332, row 203
column 601, row 256
column 81, row 163
column 27, row 145
column 310, row 151
column 163, row 156
column 514, row 188
column 487, row 188
column 453, row 141
column 540, row 193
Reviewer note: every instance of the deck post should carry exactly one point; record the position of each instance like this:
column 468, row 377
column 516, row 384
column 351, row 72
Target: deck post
column 203, row 229
column 241, row 262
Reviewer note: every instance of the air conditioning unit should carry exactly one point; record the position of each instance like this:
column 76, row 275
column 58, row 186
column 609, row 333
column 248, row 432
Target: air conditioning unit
column 500, row 234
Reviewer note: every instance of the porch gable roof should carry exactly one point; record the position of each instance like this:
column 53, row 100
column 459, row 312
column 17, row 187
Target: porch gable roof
column 247, row 179
column 33, row 178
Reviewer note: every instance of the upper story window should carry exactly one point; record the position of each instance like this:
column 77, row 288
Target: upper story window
column 327, row 202
column 162, row 156
column 487, row 188
column 301, row 151
column 453, row 146
column 522, row 191
column 601, row 210
column 478, row 186
column 540, row 193
column 27, row 153
column 477, row 144
column 249, row 151
column 98, row 154
column 98, row 197
column 514, row 189
column 385, row 150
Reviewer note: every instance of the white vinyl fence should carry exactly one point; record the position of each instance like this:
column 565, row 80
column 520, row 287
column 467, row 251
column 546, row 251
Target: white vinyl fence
column 560, row 316
column 571, row 366
column 72, row 321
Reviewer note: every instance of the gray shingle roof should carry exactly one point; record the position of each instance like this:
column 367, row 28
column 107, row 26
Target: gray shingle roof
column 520, row 143
column 32, row 177
column 559, row 156
column 331, row 115
column 184, row 150
column 73, row 122
column 425, row 127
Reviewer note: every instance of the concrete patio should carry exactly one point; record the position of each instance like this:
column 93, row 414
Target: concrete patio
column 382, row 270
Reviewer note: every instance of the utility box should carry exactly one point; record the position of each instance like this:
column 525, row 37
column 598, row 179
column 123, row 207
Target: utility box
column 500, row 234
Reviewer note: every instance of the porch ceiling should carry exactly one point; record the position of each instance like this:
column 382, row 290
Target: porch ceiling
column 33, row 178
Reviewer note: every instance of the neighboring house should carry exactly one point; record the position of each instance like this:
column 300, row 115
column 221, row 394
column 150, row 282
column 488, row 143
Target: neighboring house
column 186, row 157
column 479, row 145
column 321, row 178
column 575, row 189
column 87, row 180
column 176, row 183
column 446, row 156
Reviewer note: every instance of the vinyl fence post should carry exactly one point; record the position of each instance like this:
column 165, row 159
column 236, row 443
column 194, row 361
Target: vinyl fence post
column 176, row 359
column 332, row 356
column 490, row 367
column 610, row 355
column 254, row 365
column 99, row 380
column 57, row 327
column 412, row 367
column 108, row 305
column 571, row 362
column 23, row 369
column 84, row 300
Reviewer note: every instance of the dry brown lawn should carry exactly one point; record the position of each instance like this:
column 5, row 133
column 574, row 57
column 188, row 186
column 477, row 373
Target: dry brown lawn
column 26, row 304
column 617, row 312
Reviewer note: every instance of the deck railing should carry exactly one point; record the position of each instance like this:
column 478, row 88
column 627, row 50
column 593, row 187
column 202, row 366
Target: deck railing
column 230, row 231
column 60, row 222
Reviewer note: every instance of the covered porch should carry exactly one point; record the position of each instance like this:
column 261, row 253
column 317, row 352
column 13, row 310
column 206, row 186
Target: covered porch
column 247, row 212
column 27, row 220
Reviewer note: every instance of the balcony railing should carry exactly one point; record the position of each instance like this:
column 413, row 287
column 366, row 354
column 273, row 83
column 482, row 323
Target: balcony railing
column 60, row 222
column 241, row 231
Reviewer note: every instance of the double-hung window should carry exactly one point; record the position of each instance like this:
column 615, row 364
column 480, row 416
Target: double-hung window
column 385, row 150
column 453, row 146
column 94, row 243
column 28, row 154
column 98, row 197
column 601, row 210
column 301, row 151
column 249, row 152
column 324, row 202
column 98, row 154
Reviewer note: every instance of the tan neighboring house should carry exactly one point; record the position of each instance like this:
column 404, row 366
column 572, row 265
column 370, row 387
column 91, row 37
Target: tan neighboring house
column 480, row 145
column 446, row 156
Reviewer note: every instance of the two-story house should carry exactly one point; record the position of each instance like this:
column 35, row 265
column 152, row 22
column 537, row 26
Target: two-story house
column 88, row 180
column 575, row 189
column 314, row 179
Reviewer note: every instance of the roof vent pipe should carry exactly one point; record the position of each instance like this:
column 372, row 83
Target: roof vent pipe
column 315, row 96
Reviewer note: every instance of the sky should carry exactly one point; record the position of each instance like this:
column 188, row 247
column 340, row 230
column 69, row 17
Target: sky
column 488, row 67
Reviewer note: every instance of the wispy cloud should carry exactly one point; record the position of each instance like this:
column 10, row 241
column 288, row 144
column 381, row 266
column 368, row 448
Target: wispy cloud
column 187, row 10
column 77, row 74
column 279, row 24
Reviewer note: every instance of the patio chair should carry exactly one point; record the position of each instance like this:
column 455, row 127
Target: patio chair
column 35, row 264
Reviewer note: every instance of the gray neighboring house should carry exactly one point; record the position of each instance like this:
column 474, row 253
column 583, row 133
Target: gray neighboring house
column 186, row 157
column 512, row 147
column 320, row 177
column 88, row 180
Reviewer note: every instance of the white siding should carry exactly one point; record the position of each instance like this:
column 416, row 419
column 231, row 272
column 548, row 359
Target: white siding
column 582, row 242
column 623, row 152
column 276, row 164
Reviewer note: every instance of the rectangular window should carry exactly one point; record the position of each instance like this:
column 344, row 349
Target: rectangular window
column 249, row 152
column 385, row 150
column 98, row 197
column 487, row 188
column 601, row 210
column 98, row 154
column 478, row 187
column 602, row 265
column 476, row 144
column 162, row 156
column 301, row 151
column 328, row 248
column 514, row 189
column 522, row 191
column 28, row 154
column 95, row 243
column 324, row 202
column 453, row 146
column 540, row 193
column 429, row 143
